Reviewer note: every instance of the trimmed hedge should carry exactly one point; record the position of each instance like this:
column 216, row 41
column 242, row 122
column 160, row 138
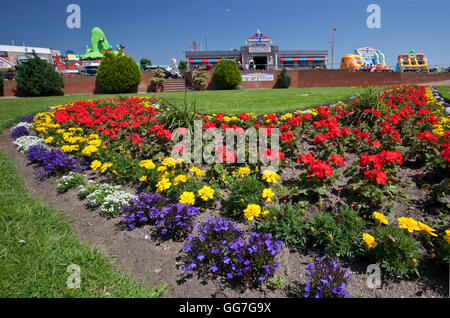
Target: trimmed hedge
column 118, row 73
column 227, row 74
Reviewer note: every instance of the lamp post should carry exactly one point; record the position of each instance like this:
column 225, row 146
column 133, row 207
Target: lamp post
column 332, row 50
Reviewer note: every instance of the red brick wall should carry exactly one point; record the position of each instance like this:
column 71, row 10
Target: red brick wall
column 317, row 78
column 337, row 78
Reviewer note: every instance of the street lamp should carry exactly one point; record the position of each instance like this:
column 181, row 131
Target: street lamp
column 332, row 50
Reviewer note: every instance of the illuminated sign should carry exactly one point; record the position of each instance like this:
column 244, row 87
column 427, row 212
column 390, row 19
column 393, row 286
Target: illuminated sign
column 258, row 39
column 259, row 49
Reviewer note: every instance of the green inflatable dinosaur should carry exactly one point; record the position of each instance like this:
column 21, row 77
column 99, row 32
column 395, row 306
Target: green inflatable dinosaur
column 99, row 44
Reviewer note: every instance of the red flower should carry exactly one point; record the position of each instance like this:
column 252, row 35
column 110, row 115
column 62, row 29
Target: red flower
column 209, row 125
column 320, row 169
column 306, row 159
column 375, row 175
column 244, row 116
column 338, row 160
column 287, row 136
column 446, row 154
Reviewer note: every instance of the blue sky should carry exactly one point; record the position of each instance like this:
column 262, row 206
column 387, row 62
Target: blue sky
column 161, row 30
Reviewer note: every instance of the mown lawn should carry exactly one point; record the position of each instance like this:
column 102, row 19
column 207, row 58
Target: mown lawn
column 445, row 93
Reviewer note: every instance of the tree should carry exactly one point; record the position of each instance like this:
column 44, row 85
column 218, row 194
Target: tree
column 182, row 66
column 118, row 73
column 227, row 74
column 145, row 61
column 37, row 77
column 284, row 81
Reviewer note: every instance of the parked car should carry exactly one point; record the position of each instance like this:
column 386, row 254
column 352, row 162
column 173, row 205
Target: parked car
column 89, row 69
column 167, row 73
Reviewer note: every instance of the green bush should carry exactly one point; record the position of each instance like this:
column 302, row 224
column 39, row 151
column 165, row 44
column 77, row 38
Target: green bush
column 182, row 66
column 200, row 78
column 338, row 234
column 286, row 223
column 284, row 81
column 118, row 74
column 246, row 191
column 227, row 74
column 158, row 78
column 396, row 251
column 37, row 77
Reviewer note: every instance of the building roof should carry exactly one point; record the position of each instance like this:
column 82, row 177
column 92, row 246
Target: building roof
column 27, row 49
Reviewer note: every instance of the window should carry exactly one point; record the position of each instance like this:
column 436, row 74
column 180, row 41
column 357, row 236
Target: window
column 3, row 54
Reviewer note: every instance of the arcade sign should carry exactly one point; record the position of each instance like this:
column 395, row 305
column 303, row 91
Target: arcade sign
column 259, row 49
column 257, row 76
column 258, row 39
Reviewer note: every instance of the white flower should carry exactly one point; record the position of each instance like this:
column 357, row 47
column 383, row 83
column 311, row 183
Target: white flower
column 25, row 142
column 28, row 126
column 114, row 201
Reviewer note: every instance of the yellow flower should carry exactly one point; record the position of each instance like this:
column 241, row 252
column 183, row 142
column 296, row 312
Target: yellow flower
column 206, row 193
column 187, row 198
column 426, row 229
column 447, row 235
column 143, row 178
column 270, row 176
column 330, row 237
column 95, row 164
column 413, row 261
column 264, row 213
column 161, row 169
column 105, row 166
column 89, row 150
column 181, row 178
column 369, row 240
column 48, row 140
column 408, row 223
column 71, row 148
column 380, row 217
column 95, row 142
column 312, row 229
column 147, row 164
column 252, row 211
column 163, row 184
column 268, row 194
column 244, row 171
column 198, row 172
column 169, row 162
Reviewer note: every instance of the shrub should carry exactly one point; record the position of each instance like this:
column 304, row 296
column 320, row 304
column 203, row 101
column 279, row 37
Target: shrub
column 284, row 81
column 38, row 77
column 286, row 223
column 118, row 74
column 227, row 74
column 246, row 191
column 158, row 78
column 338, row 234
column 395, row 251
column 145, row 61
column 182, row 66
column 200, row 78
column 69, row 181
column 327, row 280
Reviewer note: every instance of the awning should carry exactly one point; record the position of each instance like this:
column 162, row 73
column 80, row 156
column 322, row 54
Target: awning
column 207, row 60
column 302, row 59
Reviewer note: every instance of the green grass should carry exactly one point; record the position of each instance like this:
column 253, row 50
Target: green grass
column 38, row 244
column 445, row 93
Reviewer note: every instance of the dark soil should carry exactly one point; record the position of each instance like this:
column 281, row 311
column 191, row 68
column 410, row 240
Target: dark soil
column 142, row 253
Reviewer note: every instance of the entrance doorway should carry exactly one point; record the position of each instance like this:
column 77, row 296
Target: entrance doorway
column 260, row 62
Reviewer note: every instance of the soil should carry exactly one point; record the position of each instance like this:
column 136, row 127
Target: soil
column 142, row 253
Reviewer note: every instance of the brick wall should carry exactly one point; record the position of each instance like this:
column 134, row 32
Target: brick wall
column 308, row 78
column 336, row 78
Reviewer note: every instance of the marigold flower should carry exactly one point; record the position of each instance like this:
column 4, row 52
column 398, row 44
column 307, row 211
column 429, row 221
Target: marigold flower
column 95, row 164
column 409, row 224
column 163, row 184
column 187, row 198
column 89, row 150
column 243, row 171
column 180, row 179
column 169, row 162
column 206, row 193
column 105, row 166
column 369, row 240
column 143, row 178
column 447, row 235
column 270, row 176
column 268, row 194
column 197, row 172
column 147, row 164
column 252, row 211
column 426, row 229
column 380, row 217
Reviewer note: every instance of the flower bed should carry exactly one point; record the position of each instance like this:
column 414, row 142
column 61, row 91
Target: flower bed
column 353, row 180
